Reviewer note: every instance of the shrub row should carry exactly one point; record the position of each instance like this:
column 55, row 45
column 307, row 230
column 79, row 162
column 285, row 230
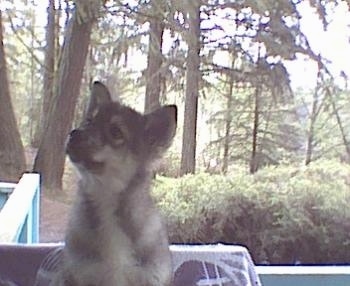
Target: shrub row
column 285, row 214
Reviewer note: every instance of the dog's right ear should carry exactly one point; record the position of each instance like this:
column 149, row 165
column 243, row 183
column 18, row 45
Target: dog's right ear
column 99, row 95
column 160, row 129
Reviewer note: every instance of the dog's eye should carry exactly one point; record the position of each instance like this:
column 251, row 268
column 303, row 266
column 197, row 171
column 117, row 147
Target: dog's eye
column 115, row 131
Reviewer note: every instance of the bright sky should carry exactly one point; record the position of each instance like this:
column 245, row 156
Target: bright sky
column 333, row 44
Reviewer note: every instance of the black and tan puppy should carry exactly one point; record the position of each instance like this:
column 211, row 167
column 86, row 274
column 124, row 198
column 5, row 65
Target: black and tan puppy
column 116, row 236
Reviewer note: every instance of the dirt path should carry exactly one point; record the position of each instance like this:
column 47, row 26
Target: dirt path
column 54, row 211
column 53, row 219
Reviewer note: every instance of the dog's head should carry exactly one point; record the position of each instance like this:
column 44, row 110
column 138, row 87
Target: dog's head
column 115, row 137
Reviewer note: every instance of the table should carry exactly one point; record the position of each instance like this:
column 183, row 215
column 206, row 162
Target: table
column 213, row 265
column 194, row 265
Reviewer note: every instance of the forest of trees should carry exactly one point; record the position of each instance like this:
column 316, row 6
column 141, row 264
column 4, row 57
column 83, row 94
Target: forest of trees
column 222, row 62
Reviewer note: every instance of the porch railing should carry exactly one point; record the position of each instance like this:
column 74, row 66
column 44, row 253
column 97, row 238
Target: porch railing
column 304, row 275
column 19, row 210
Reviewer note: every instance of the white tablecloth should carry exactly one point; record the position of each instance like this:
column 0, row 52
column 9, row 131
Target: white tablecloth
column 213, row 265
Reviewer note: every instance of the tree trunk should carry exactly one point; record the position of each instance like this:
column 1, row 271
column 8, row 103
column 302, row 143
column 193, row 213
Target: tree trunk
column 12, row 159
column 228, row 124
column 154, row 58
column 340, row 124
column 188, row 156
column 228, row 118
column 254, row 161
column 50, row 158
column 310, row 135
column 49, row 71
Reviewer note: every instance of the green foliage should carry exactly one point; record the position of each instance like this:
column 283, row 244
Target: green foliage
column 23, row 43
column 169, row 164
column 282, row 214
column 242, row 43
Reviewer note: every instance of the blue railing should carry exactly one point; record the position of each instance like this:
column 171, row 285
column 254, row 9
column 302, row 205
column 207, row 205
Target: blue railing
column 19, row 210
column 304, row 275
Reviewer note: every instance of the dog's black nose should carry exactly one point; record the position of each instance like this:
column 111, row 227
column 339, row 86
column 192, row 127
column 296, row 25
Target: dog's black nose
column 74, row 142
column 76, row 136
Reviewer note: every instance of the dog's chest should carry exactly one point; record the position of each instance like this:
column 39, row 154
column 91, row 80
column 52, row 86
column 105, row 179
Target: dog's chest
column 120, row 234
column 122, row 254
column 119, row 262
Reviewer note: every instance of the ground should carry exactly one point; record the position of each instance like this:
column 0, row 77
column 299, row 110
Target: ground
column 53, row 219
column 54, row 209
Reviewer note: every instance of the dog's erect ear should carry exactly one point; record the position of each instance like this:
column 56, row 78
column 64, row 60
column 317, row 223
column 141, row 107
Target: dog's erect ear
column 160, row 128
column 99, row 95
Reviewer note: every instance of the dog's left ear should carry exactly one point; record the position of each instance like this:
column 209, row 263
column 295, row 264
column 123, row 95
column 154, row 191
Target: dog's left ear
column 99, row 95
column 160, row 128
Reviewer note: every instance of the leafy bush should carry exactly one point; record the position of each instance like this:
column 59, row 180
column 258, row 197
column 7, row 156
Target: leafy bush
column 169, row 165
column 282, row 214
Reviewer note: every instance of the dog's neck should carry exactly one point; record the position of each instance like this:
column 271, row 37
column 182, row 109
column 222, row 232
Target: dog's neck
column 106, row 198
column 116, row 185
